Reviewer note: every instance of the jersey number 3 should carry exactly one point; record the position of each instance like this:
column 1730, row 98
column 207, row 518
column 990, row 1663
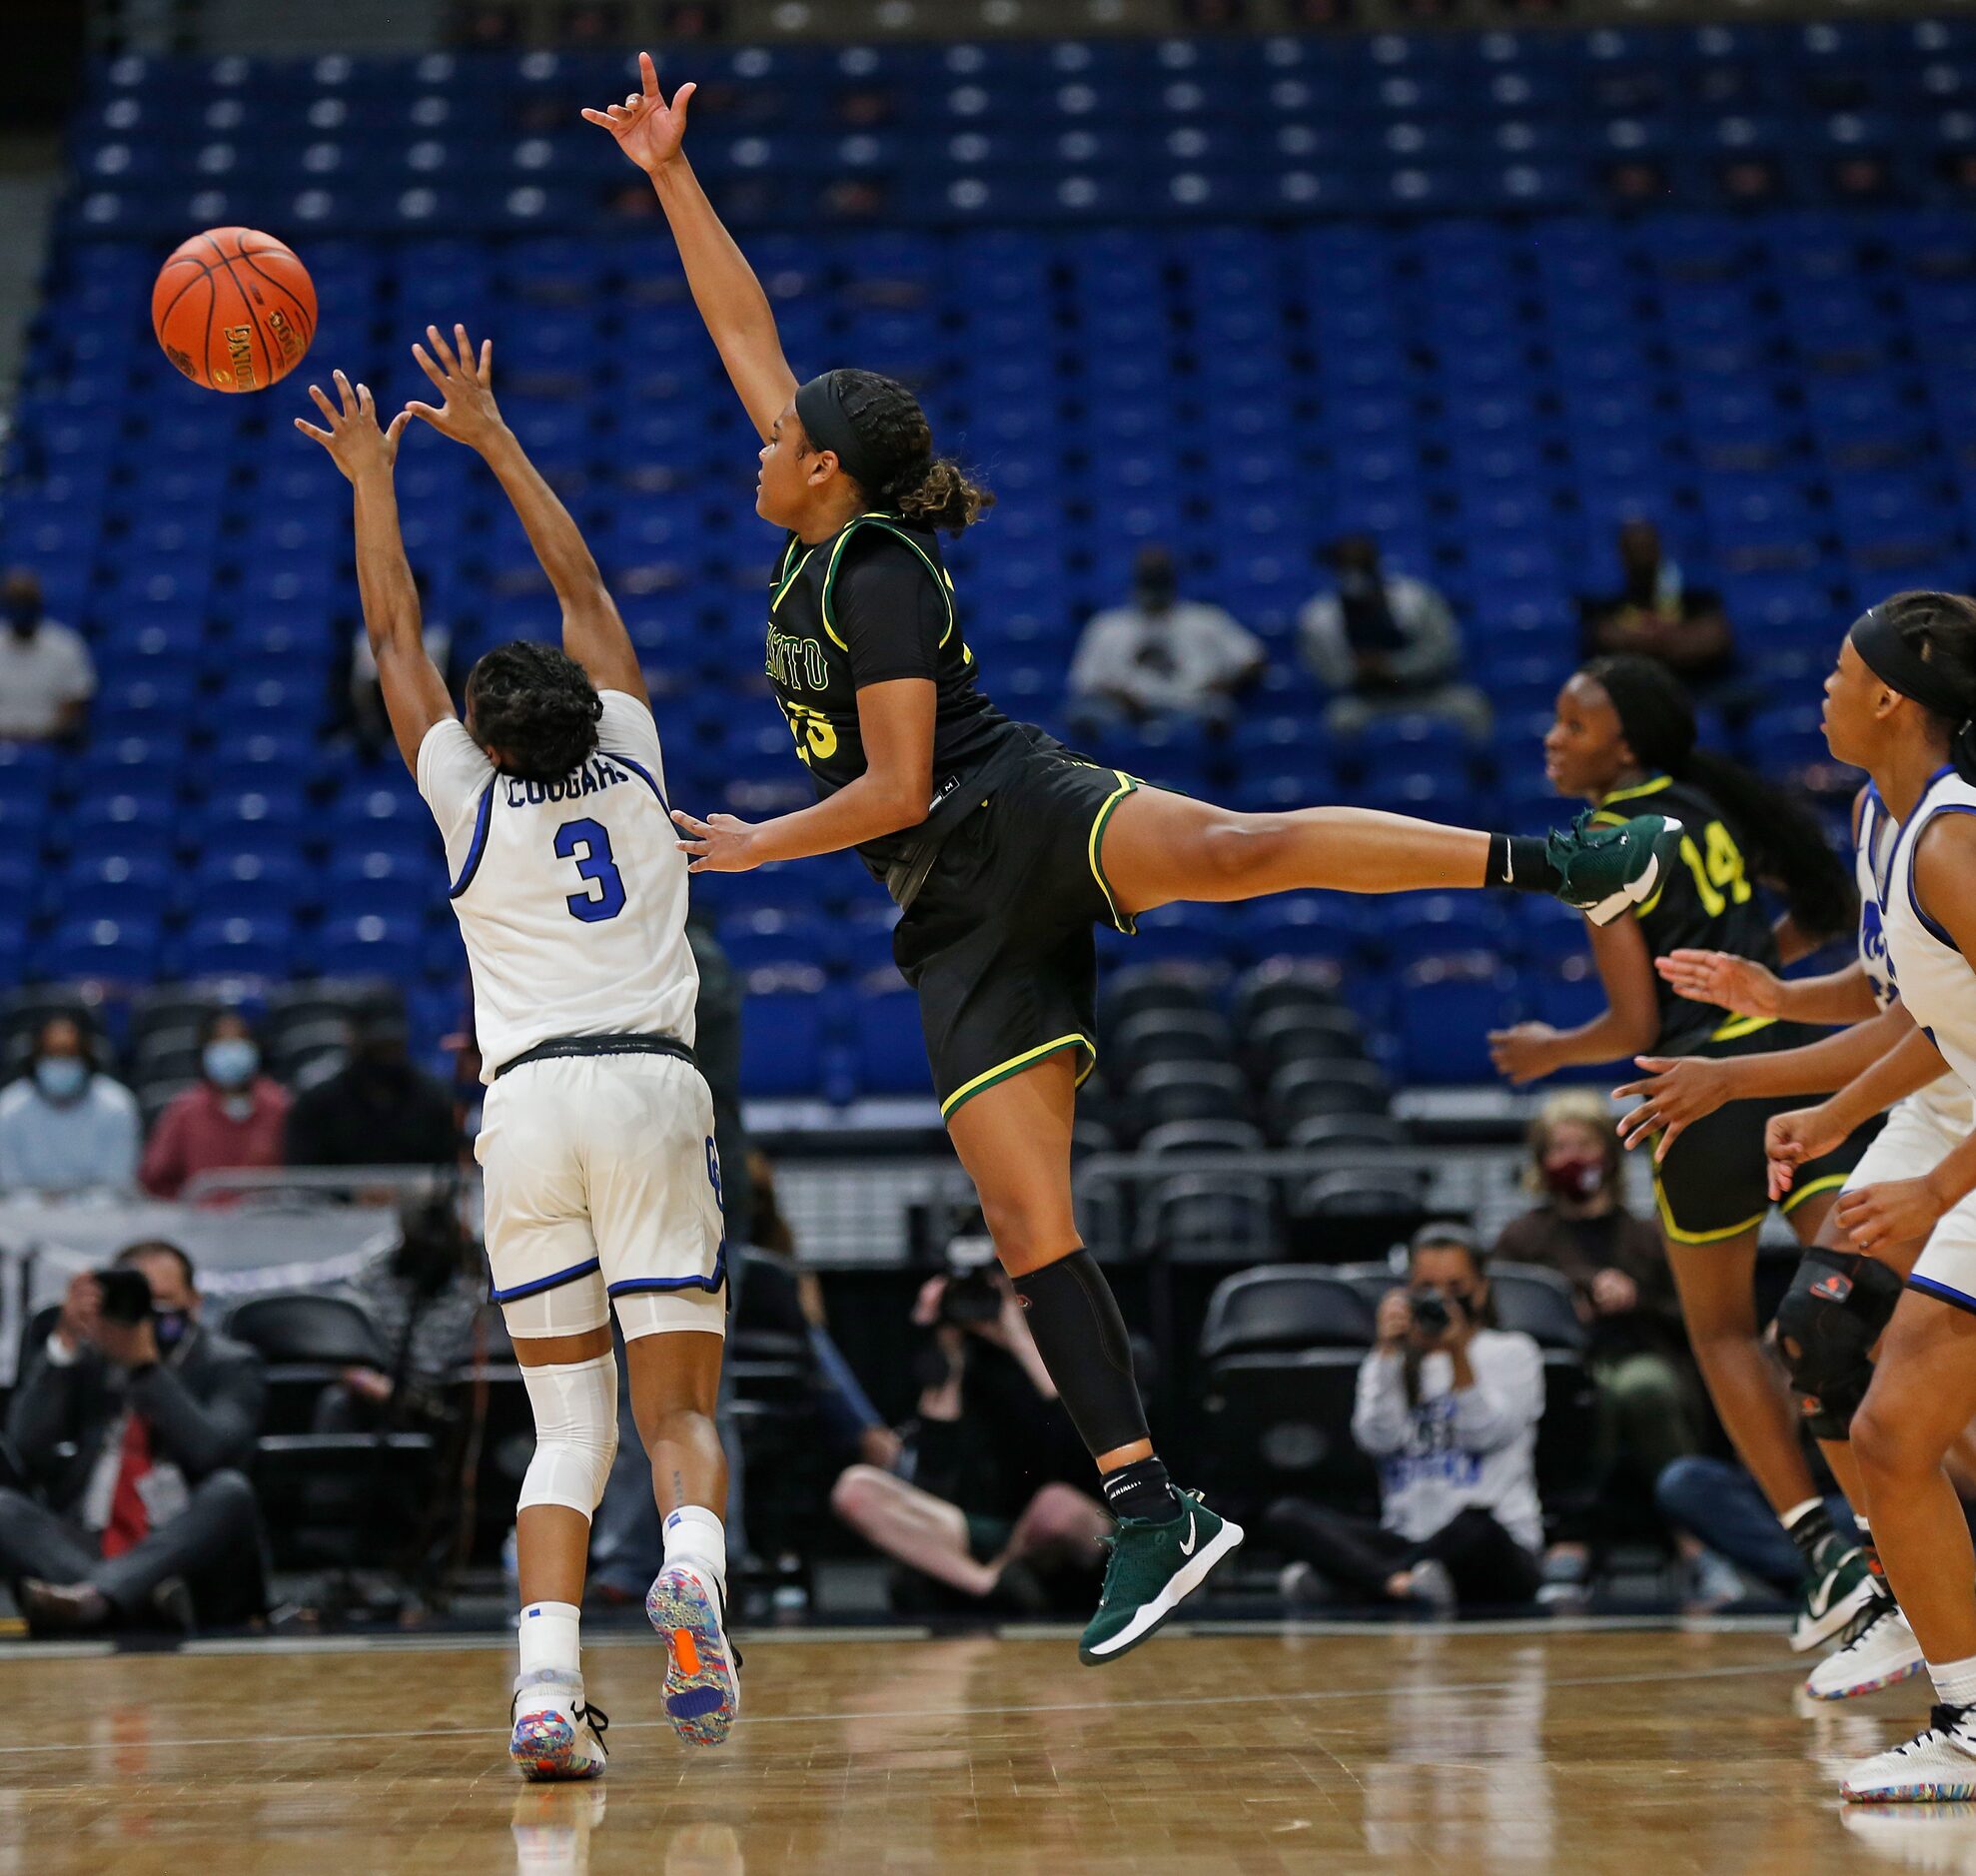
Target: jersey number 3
column 593, row 864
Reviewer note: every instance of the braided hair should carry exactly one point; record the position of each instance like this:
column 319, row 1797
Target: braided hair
column 537, row 705
column 1787, row 848
column 893, row 433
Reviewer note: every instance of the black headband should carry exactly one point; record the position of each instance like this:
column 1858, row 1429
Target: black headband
column 1900, row 668
column 820, row 410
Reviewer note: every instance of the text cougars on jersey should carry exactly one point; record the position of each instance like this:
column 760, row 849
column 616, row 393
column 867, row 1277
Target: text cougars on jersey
column 598, row 772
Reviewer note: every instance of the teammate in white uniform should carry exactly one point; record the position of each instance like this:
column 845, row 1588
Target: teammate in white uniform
column 1900, row 704
column 603, row 1188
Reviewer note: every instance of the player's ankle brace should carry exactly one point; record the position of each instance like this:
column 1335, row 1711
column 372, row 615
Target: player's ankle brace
column 1073, row 1318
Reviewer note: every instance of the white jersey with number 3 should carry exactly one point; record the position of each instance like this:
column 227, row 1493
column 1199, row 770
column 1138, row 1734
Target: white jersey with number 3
column 570, row 894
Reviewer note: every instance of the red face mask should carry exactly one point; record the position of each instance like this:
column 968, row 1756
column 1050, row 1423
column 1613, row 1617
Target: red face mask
column 1576, row 1178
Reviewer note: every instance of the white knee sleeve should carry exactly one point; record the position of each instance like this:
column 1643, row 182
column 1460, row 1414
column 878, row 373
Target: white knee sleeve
column 575, row 1405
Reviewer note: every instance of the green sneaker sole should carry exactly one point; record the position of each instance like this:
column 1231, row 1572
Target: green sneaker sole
column 1152, row 1616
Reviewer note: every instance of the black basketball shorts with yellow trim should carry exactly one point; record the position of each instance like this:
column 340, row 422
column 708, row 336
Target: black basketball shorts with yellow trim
column 1714, row 1183
column 999, row 942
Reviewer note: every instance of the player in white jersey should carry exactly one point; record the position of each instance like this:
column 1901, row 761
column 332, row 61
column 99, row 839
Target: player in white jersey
column 603, row 1188
column 1841, row 1300
column 1900, row 705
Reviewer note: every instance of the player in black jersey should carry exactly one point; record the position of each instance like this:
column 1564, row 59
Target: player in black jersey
column 1625, row 734
column 1004, row 849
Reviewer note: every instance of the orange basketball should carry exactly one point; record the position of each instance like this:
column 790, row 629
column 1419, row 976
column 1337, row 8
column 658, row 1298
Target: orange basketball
column 233, row 309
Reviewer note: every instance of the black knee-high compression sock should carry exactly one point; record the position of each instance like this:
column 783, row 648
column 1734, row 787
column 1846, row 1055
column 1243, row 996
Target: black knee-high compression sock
column 1520, row 863
column 1074, row 1320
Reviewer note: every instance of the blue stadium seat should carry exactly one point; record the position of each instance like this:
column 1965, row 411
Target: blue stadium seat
column 890, row 1056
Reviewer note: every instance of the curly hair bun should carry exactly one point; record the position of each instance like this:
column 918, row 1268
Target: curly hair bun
column 537, row 707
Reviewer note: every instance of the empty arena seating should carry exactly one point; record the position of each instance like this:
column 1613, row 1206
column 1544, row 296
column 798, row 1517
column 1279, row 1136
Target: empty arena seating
column 1234, row 296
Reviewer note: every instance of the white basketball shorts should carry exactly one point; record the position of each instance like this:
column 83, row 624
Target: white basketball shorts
column 1915, row 1140
column 604, row 1191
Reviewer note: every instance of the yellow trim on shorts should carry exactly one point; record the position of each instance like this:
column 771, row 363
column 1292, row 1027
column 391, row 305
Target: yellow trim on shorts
column 1016, row 1064
column 1801, row 1193
column 1097, row 844
column 1679, row 1236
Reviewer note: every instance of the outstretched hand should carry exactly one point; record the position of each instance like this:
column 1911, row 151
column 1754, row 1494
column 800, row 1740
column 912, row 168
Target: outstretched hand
column 1675, row 1093
column 1730, row 983
column 720, row 844
column 354, row 442
column 647, row 129
column 469, row 413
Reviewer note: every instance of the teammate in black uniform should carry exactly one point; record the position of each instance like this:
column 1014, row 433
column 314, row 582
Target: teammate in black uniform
column 1625, row 734
column 1004, row 849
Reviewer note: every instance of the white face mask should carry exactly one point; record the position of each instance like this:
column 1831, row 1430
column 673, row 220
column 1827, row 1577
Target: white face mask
column 61, row 1077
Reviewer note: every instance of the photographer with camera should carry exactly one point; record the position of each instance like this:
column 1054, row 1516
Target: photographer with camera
column 1448, row 1404
column 137, row 1421
column 980, row 1502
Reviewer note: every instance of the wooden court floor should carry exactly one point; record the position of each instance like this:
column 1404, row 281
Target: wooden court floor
column 1546, row 1749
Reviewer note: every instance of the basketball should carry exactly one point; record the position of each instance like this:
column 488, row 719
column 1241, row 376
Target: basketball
column 233, row 309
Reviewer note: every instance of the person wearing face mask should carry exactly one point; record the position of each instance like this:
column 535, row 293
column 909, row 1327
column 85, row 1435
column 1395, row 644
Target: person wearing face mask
column 45, row 675
column 1160, row 655
column 135, row 1436
column 1448, row 1408
column 64, row 1126
column 1384, row 645
column 232, row 1117
column 1620, row 1276
column 379, row 1109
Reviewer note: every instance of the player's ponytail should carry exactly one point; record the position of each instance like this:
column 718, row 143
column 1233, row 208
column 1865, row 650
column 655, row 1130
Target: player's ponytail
column 537, row 707
column 1785, row 846
column 889, row 451
column 1941, row 626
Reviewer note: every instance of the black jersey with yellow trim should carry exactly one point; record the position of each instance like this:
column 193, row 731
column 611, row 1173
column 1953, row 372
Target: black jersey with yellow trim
column 1707, row 901
column 872, row 604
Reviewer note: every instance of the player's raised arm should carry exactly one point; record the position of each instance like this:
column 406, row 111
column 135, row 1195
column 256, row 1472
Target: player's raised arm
column 736, row 311
column 415, row 694
column 592, row 632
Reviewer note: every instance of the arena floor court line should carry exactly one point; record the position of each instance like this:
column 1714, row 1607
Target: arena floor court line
column 1527, row 1749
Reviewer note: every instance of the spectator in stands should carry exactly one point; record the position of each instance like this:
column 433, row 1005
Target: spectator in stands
column 137, row 1433
column 1448, row 1404
column 64, row 1126
column 979, row 1502
column 1384, row 645
column 1160, row 655
column 45, row 675
column 1620, row 1276
column 1658, row 614
column 233, row 1117
column 376, row 1110
column 427, row 1294
column 1715, row 1502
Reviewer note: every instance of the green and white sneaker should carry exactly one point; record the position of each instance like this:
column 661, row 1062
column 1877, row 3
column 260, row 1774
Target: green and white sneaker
column 1603, row 871
column 1154, row 1569
column 1836, row 1588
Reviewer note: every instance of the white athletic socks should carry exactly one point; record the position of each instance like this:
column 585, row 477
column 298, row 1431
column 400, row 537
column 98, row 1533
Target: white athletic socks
column 1955, row 1681
column 694, row 1535
column 548, row 1633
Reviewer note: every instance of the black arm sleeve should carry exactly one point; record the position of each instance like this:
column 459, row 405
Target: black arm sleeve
column 889, row 610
